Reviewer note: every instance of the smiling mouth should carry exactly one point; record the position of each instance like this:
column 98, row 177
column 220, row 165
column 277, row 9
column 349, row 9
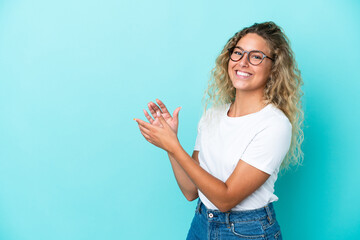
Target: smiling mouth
column 242, row 74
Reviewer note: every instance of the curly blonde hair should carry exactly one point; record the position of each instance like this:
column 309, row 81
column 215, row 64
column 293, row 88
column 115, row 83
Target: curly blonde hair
column 283, row 88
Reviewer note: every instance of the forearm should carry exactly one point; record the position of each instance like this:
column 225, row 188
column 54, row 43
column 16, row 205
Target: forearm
column 185, row 184
column 214, row 189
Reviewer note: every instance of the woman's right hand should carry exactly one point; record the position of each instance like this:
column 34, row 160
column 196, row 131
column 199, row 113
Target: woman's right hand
column 173, row 121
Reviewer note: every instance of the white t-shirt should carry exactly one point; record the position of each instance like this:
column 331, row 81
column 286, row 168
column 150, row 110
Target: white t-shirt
column 260, row 139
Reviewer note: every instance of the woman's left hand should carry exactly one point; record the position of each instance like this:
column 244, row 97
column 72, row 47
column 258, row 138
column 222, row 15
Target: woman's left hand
column 161, row 136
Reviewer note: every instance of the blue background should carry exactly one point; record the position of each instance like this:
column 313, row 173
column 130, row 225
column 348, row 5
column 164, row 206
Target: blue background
column 73, row 75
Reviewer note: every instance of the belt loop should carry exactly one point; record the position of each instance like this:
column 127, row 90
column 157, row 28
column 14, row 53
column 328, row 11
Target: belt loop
column 269, row 215
column 227, row 219
column 198, row 207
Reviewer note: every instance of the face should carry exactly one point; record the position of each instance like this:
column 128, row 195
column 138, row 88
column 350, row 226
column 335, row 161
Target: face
column 247, row 77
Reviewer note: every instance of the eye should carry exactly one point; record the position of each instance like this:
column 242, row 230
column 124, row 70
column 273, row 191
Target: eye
column 238, row 52
column 256, row 55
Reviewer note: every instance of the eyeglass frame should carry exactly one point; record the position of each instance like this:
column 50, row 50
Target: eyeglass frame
column 248, row 55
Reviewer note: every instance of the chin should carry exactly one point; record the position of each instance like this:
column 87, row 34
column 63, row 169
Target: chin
column 241, row 86
column 247, row 88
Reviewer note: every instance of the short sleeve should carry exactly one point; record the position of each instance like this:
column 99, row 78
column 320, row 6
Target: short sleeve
column 268, row 148
column 198, row 137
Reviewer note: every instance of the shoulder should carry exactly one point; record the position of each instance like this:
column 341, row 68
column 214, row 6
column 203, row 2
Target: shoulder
column 212, row 116
column 274, row 131
column 217, row 109
column 276, row 120
column 214, row 112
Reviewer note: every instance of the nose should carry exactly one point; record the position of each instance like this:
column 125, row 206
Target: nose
column 243, row 62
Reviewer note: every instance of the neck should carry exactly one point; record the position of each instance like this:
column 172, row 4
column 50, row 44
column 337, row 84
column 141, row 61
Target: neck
column 246, row 103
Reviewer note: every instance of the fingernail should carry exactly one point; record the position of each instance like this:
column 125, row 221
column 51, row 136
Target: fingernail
column 158, row 113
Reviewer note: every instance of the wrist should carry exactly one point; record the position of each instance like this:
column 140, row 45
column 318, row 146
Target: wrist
column 175, row 148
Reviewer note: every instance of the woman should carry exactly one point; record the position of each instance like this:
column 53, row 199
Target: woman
column 252, row 130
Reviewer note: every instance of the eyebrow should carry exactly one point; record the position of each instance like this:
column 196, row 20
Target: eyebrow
column 250, row 50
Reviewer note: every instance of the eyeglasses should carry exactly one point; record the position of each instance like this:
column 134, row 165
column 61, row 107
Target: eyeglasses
column 254, row 57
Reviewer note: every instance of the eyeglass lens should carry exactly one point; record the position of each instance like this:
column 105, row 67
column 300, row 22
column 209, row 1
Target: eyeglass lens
column 255, row 57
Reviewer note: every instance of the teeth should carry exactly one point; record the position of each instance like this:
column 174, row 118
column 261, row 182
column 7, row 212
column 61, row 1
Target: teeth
column 242, row 74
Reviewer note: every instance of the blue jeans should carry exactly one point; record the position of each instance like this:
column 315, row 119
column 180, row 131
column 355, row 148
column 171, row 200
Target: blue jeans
column 248, row 224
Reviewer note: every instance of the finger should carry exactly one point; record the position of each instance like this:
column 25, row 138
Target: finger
column 176, row 113
column 144, row 130
column 147, row 137
column 145, row 124
column 157, row 122
column 148, row 116
column 161, row 119
column 162, row 106
column 153, row 109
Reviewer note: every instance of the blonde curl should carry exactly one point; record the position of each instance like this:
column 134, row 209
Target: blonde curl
column 283, row 88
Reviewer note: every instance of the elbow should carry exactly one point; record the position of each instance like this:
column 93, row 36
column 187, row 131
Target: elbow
column 225, row 206
column 224, row 209
column 191, row 197
column 228, row 202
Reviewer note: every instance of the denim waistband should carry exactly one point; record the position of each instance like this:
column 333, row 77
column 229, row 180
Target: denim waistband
column 237, row 216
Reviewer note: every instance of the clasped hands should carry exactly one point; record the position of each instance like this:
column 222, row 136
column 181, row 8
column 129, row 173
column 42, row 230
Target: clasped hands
column 162, row 128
